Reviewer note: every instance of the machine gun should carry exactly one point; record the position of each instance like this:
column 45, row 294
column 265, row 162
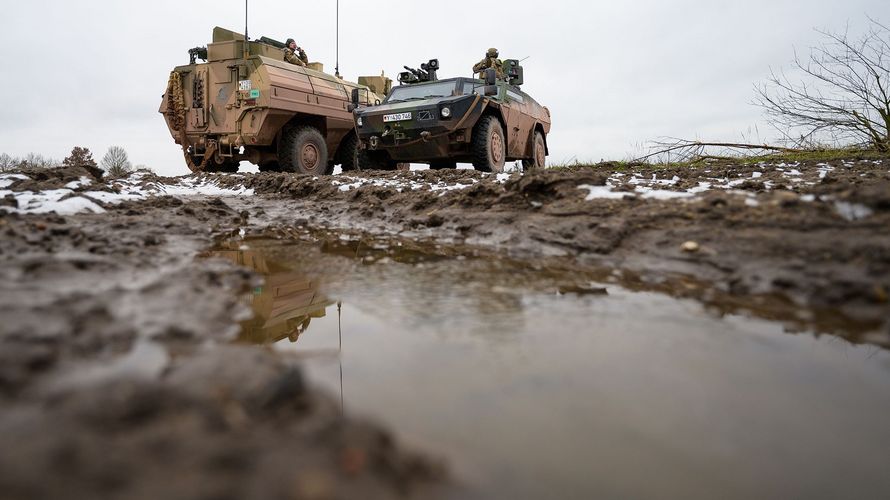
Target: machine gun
column 197, row 53
column 426, row 73
column 272, row 42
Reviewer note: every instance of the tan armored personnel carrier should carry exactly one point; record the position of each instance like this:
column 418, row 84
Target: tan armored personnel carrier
column 245, row 103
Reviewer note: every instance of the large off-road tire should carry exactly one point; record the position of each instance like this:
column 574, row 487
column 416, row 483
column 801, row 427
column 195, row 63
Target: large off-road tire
column 443, row 164
column 303, row 150
column 489, row 145
column 349, row 153
column 373, row 160
column 539, row 152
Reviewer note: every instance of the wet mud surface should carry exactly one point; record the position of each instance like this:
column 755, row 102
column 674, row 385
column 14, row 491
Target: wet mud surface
column 119, row 378
column 129, row 367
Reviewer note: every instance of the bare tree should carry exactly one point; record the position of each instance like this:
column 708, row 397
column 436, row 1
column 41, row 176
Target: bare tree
column 7, row 162
column 35, row 160
column 116, row 162
column 842, row 91
column 80, row 157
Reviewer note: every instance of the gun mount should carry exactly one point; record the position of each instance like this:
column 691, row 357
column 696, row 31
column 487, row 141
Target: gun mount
column 197, row 53
column 514, row 72
column 426, row 73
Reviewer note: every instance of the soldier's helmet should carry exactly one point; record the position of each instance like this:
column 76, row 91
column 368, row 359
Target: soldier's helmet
column 492, row 52
column 288, row 42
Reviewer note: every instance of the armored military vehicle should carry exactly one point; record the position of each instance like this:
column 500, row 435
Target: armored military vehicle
column 245, row 103
column 442, row 122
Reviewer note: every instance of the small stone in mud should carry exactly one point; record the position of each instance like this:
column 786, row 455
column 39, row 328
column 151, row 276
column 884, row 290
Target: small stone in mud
column 785, row 199
column 690, row 247
column 583, row 290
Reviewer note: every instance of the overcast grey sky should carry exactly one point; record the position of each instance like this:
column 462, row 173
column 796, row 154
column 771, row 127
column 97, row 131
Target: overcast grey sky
column 614, row 74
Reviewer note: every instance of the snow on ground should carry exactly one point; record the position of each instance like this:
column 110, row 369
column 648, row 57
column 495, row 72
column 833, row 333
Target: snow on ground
column 650, row 188
column 7, row 180
column 67, row 201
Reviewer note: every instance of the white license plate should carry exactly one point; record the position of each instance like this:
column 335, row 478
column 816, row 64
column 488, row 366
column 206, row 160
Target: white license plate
column 396, row 117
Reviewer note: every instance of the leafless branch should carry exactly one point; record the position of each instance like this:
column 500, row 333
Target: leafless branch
column 842, row 90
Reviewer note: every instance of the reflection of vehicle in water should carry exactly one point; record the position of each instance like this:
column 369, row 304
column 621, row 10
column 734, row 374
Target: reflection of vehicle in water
column 283, row 307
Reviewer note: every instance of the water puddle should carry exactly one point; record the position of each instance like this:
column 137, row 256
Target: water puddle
column 540, row 381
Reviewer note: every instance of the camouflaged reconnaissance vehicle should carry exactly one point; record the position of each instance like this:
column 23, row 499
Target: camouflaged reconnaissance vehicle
column 442, row 122
column 245, row 103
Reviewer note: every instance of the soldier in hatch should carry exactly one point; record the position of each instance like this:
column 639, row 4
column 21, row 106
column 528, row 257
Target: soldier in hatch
column 294, row 54
column 491, row 61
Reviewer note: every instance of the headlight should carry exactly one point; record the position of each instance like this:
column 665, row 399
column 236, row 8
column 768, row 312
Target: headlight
column 446, row 112
column 359, row 122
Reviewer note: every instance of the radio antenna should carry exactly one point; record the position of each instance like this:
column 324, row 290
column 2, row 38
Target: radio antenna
column 337, row 66
column 246, row 42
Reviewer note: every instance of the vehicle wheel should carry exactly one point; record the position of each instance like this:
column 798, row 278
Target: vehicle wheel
column 349, row 152
column 441, row 165
column 303, row 150
column 489, row 147
column 403, row 167
column 539, row 160
column 373, row 160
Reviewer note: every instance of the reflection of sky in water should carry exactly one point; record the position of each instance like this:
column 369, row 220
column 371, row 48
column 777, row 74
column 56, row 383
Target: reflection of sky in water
column 538, row 395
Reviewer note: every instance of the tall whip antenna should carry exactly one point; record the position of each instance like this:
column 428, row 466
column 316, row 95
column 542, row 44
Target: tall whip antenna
column 246, row 43
column 337, row 67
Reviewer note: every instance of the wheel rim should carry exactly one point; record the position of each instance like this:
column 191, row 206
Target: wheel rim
column 309, row 156
column 497, row 148
column 540, row 156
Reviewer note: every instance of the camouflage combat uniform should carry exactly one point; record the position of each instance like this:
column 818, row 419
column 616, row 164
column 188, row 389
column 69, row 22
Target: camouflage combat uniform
column 299, row 57
column 490, row 62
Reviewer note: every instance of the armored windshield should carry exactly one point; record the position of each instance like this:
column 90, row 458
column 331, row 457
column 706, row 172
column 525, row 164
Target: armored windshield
column 422, row 91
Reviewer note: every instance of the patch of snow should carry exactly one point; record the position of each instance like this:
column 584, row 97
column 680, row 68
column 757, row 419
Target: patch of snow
column 808, row 198
column 661, row 194
column 751, row 202
column 601, row 192
column 83, row 181
column 701, row 188
column 757, row 175
column 45, row 202
column 852, row 211
column 7, row 180
column 113, row 198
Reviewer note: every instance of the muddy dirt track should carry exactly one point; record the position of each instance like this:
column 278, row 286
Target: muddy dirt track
column 118, row 379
